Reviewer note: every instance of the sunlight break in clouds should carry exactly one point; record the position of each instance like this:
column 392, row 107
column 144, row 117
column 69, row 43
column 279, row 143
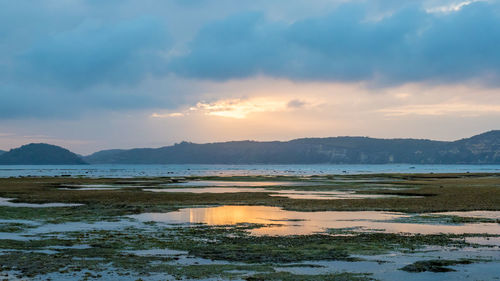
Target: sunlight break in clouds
column 237, row 108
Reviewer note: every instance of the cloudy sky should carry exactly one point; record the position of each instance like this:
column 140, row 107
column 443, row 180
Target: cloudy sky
column 91, row 74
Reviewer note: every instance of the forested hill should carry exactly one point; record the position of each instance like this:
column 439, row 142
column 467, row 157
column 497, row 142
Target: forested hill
column 479, row 149
column 39, row 154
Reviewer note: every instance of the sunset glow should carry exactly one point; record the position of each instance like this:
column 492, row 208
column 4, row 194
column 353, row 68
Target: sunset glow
column 227, row 71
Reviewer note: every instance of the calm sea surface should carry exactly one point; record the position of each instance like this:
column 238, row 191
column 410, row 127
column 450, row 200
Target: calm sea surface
column 229, row 170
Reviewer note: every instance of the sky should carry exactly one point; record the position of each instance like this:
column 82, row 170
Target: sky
column 91, row 75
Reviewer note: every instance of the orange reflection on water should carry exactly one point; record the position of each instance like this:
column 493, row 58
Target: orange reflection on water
column 293, row 194
column 282, row 222
column 226, row 215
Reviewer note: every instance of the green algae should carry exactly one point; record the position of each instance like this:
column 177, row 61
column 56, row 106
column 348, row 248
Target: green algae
column 235, row 253
column 440, row 265
column 286, row 276
column 14, row 227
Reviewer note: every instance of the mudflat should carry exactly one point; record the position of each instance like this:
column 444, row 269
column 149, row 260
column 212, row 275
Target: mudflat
column 340, row 227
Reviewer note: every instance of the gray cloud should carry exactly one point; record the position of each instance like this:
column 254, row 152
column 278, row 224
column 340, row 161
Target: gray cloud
column 94, row 52
column 409, row 45
column 35, row 101
column 61, row 59
column 56, row 61
column 296, row 104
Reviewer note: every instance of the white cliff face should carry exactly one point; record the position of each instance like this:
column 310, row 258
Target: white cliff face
column 480, row 149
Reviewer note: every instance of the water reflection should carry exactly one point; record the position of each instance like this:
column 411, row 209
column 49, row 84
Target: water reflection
column 282, row 222
column 296, row 194
column 138, row 170
column 208, row 190
column 242, row 183
column 6, row 202
column 98, row 186
column 474, row 214
column 293, row 194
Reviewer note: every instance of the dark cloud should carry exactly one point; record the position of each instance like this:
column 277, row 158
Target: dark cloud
column 237, row 47
column 35, row 101
column 408, row 45
column 93, row 53
column 56, row 63
column 61, row 59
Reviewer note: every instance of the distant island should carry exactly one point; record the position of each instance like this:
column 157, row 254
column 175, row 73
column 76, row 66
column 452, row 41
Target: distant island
column 479, row 149
column 40, row 154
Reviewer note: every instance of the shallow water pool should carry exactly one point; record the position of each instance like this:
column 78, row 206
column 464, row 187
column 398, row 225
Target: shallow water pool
column 6, row 202
column 213, row 183
column 283, row 222
column 293, row 194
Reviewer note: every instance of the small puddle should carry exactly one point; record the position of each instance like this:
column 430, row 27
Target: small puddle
column 90, row 188
column 283, row 222
column 157, row 252
column 484, row 241
column 244, row 183
column 329, row 195
column 5, row 202
column 209, row 190
column 473, row 214
column 77, row 247
column 96, row 187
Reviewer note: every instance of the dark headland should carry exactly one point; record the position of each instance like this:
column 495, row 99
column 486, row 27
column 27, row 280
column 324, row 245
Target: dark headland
column 40, row 154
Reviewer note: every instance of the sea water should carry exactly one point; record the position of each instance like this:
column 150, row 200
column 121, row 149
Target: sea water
column 133, row 170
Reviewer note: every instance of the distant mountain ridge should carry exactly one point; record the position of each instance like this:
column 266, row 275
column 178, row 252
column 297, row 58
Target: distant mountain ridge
column 479, row 149
column 40, row 154
column 2, row 152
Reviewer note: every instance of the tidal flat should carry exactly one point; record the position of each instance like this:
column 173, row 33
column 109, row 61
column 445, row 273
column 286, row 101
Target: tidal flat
column 341, row 227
